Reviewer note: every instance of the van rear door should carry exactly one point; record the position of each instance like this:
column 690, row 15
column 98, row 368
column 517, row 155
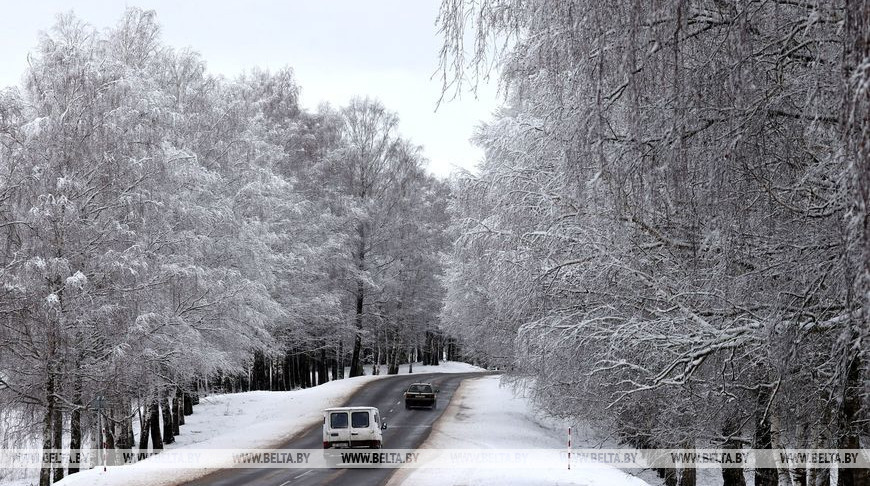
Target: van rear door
column 338, row 429
column 361, row 428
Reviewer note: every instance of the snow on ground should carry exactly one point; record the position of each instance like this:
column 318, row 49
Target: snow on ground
column 484, row 415
column 259, row 419
column 444, row 367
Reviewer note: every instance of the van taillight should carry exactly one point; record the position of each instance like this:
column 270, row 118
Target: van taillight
column 326, row 445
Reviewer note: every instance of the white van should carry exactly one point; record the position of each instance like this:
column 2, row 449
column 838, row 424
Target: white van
column 347, row 427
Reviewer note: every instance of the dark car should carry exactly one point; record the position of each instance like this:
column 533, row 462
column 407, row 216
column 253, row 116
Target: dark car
column 420, row 395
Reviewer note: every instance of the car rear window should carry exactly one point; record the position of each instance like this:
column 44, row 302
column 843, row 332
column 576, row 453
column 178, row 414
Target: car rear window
column 420, row 389
column 359, row 420
column 338, row 420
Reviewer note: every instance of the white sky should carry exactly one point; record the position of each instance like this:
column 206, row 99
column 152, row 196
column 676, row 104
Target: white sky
column 386, row 49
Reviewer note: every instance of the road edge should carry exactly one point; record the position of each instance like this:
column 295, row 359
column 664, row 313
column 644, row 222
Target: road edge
column 401, row 474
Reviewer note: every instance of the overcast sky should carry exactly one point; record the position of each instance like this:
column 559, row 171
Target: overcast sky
column 387, row 49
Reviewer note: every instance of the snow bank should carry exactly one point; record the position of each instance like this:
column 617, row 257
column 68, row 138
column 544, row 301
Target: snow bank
column 484, row 415
column 259, row 419
column 444, row 367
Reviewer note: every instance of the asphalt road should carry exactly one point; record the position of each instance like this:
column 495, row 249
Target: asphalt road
column 406, row 429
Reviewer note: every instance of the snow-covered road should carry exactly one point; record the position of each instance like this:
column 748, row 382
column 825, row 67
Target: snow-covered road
column 485, row 415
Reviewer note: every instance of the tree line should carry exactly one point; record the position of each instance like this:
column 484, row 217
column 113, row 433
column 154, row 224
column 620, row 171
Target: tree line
column 168, row 231
column 669, row 235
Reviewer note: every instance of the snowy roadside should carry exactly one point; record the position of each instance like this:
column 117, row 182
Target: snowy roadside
column 484, row 415
column 259, row 419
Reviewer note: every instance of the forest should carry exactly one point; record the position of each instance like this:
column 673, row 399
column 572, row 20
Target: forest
column 669, row 236
column 168, row 232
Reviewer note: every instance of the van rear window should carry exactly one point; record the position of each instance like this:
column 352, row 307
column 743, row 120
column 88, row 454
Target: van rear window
column 338, row 420
column 359, row 420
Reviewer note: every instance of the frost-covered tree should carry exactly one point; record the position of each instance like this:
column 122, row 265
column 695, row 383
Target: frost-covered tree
column 367, row 169
column 660, row 224
column 166, row 231
column 125, row 263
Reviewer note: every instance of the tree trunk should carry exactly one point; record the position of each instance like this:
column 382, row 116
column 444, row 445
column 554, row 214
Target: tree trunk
column 435, row 360
column 688, row 476
column 96, row 436
column 763, row 439
column 431, row 353
column 179, row 402
column 47, row 437
column 340, row 358
column 125, row 430
column 75, row 428
column 188, row 403
column 270, row 367
column 287, row 366
column 393, row 357
column 305, row 370
column 176, row 425
column 427, row 338
column 166, row 408
column 669, row 475
column 57, row 442
column 144, row 427
column 154, row 425
column 278, row 374
column 849, row 418
column 111, row 454
column 295, row 382
column 732, row 476
column 376, row 357
column 322, row 370
column 296, row 371
column 799, row 476
column 356, row 368
column 259, row 380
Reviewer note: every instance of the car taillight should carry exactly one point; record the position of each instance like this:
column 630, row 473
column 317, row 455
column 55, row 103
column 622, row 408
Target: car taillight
column 326, row 445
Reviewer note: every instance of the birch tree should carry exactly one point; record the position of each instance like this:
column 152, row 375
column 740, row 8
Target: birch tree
column 664, row 200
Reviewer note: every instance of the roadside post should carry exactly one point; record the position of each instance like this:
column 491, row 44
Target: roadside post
column 569, row 447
